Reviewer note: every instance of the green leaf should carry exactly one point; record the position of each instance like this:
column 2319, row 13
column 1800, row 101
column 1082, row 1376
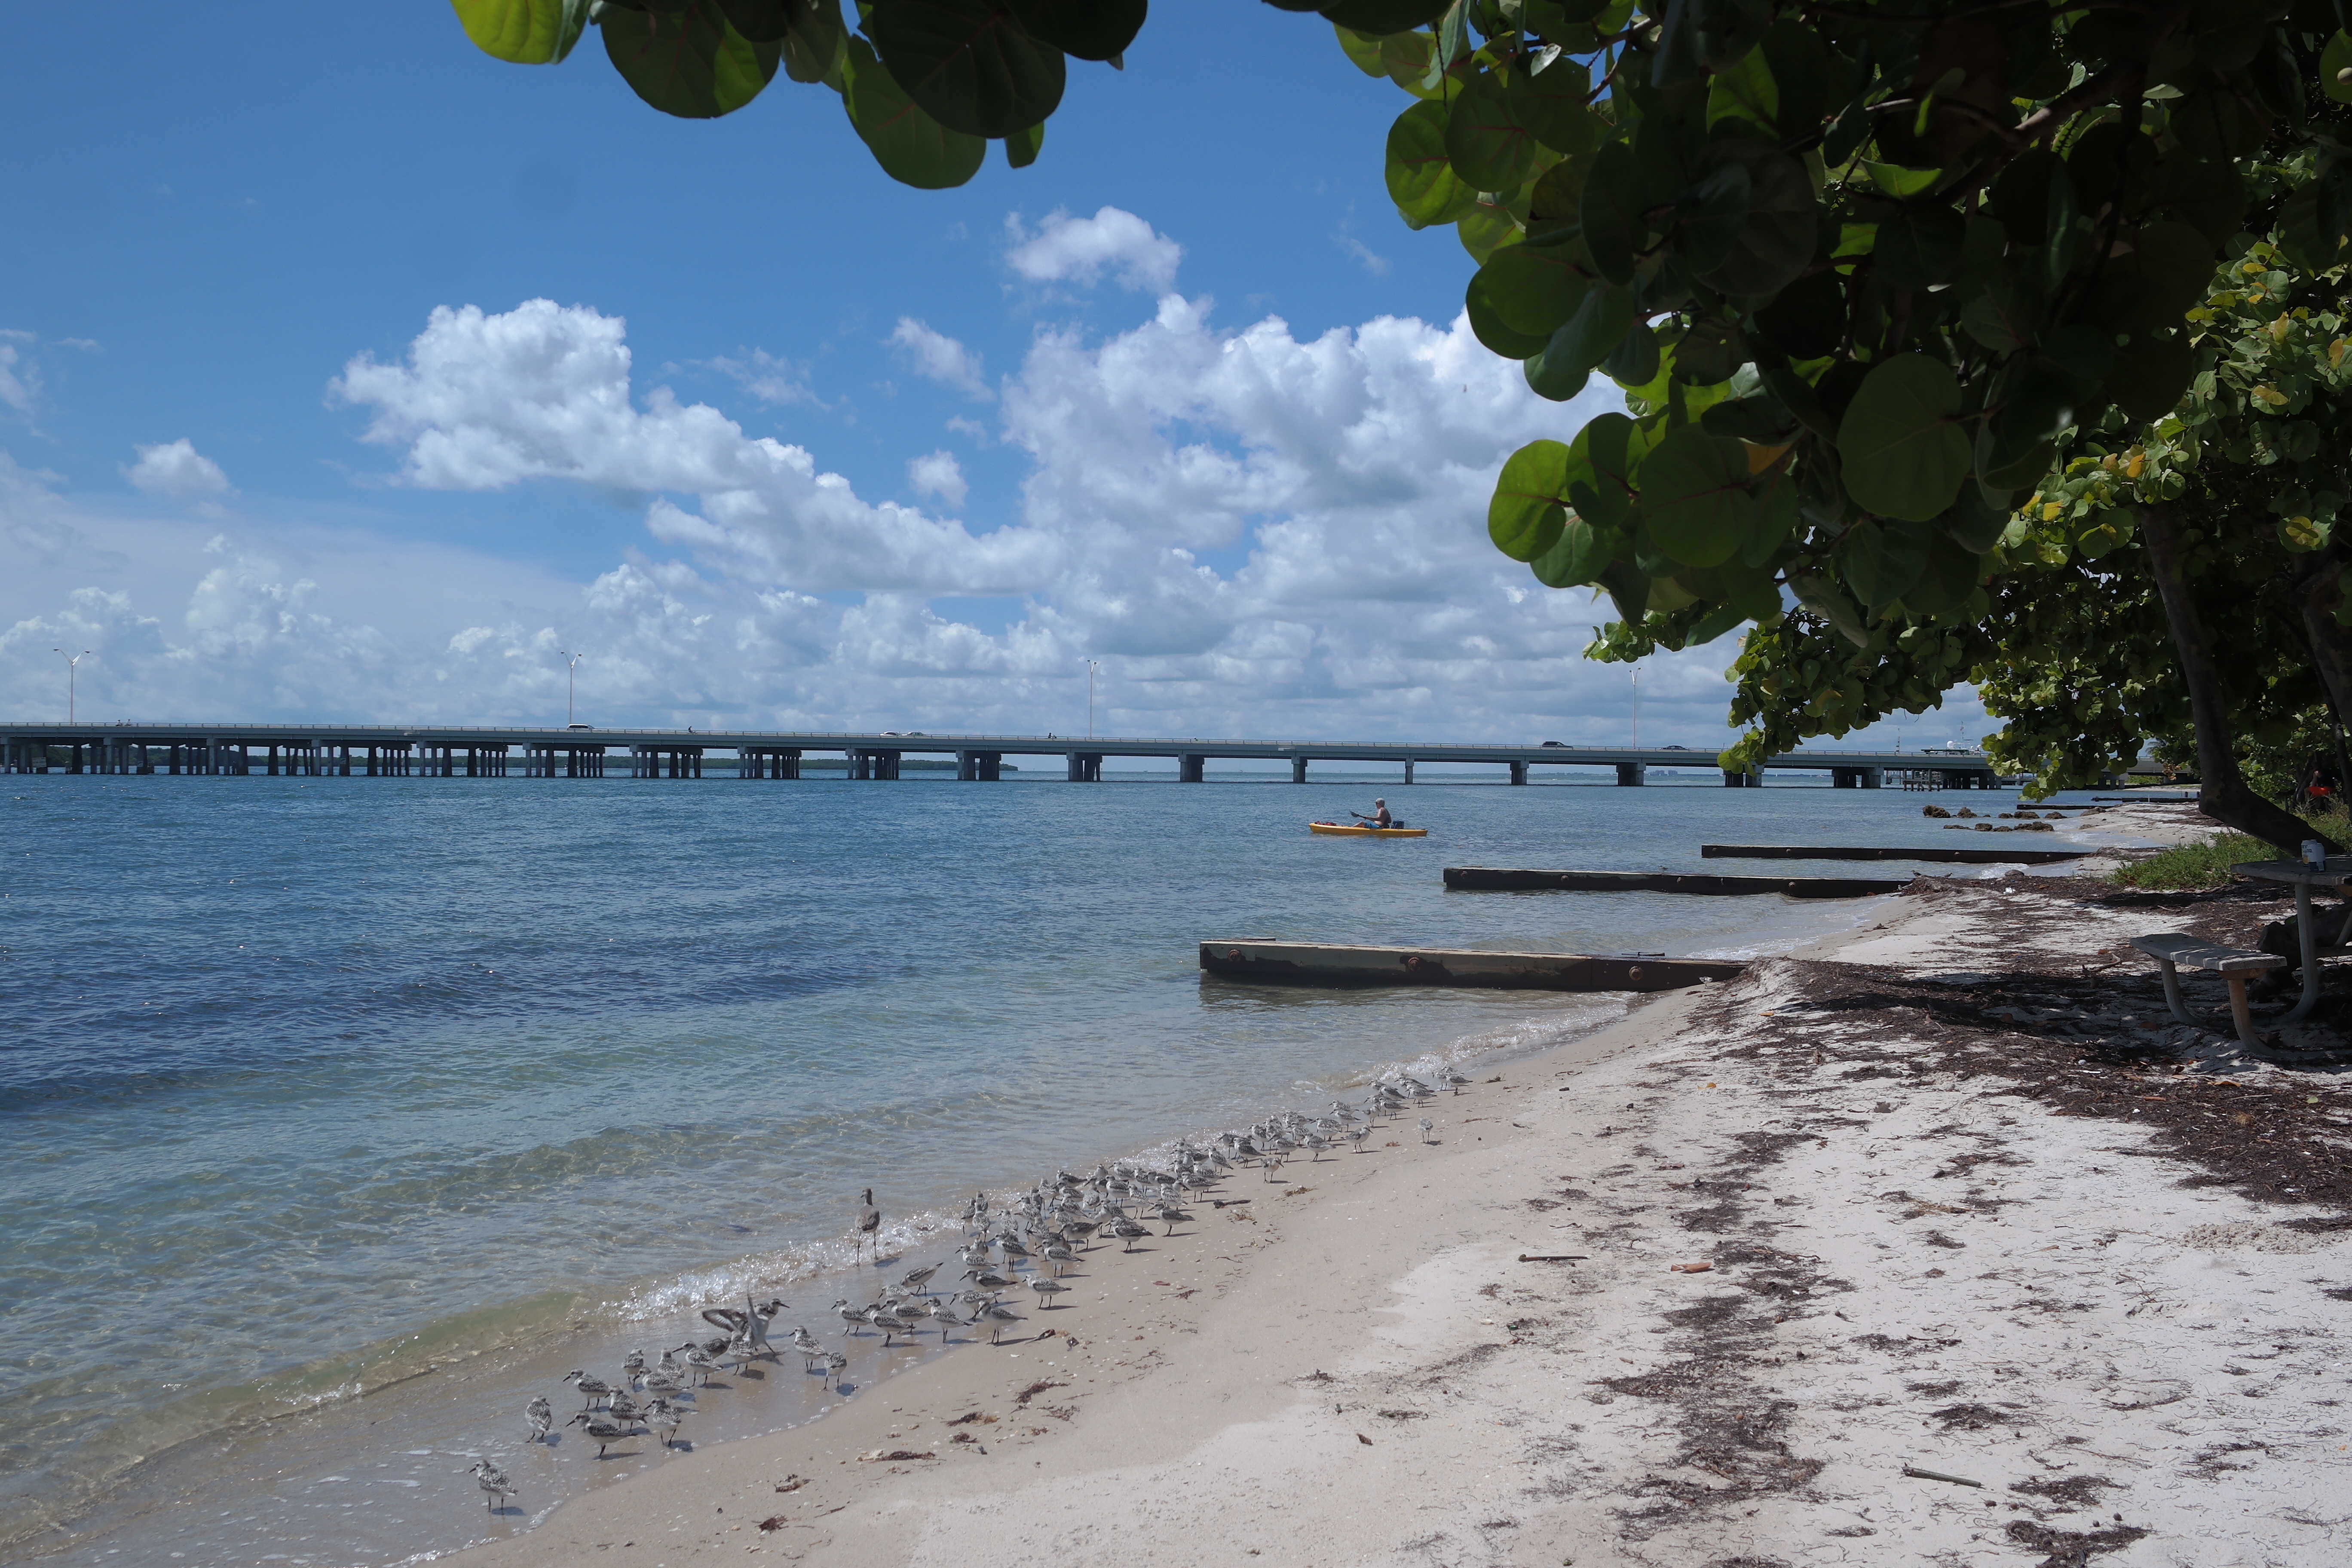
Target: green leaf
column 1084, row 29
column 1708, row 217
column 1377, row 18
column 1580, row 555
column 814, row 41
column 1611, row 212
column 1949, row 576
column 2336, row 68
column 1800, row 73
column 760, row 21
column 1900, row 183
column 1634, row 360
column 912, row 148
column 1420, row 181
column 1825, row 599
column 1900, row 446
column 1529, row 505
column 1554, row 379
column 1485, row 228
column 1590, row 336
column 1362, row 50
column 1629, row 588
column 2005, row 317
column 1489, row 328
column 689, row 62
column 1695, row 501
column 1537, row 285
column 1807, row 320
column 526, row 32
column 1550, row 104
column 1601, row 480
column 1777, row 239
column 2148, row 377
column 1485, row 143
column 1918, row 245
column 970, row 64
column 1020, row 148
column 1746, row 93
column 1881, row 560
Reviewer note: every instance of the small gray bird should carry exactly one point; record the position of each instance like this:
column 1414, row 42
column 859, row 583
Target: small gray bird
column 869, row 1224
column 1426, row 1126
column 1047, row 1289
column 541, row 1416
column 496, row 1488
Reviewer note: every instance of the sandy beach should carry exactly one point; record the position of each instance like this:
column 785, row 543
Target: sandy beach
column 1936, row 1242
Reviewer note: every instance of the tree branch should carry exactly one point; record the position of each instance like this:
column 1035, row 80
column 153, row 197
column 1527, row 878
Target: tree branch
column 2222, row 793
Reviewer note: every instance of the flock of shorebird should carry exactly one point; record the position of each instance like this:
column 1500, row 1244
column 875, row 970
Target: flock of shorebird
column 1042, row 1232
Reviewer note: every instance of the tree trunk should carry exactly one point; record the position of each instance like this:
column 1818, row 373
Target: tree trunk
column 2225, row 794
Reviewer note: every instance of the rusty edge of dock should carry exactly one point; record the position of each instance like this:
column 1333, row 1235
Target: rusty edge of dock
column 1504, row 879
column 1335, row 964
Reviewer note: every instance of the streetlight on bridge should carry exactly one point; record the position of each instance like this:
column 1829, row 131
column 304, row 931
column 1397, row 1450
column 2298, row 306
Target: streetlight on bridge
column 71, row 660
column 570, row 663
column 1092, row 664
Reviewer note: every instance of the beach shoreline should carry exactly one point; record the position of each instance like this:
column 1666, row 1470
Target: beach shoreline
column 1357, row 1365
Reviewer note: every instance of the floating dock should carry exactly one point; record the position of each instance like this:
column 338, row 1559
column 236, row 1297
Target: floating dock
column 1954, row 855
column 1325, row 963
column 1496, row 880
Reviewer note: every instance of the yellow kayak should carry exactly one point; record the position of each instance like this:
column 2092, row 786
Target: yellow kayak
column 1346, row 831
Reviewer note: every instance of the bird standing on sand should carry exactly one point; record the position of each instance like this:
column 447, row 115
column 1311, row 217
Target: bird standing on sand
column 1047, row 1289
column 919, row 1280
column 541, row 1416
column 997, row 1315
column 833, row 1365
column 496, row 1488
column 1426, row 1127
column 869, row 1224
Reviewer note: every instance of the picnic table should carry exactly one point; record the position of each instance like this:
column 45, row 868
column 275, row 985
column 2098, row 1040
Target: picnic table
column 2336, row 873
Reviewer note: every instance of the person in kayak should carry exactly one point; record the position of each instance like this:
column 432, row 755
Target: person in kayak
column 1380, row 817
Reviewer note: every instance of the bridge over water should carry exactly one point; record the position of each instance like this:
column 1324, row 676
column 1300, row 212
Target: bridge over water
column 444, row 752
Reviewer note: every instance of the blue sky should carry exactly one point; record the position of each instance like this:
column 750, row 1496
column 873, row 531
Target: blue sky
column 209, row 233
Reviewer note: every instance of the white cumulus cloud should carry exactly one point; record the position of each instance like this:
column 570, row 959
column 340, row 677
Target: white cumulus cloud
column 935, row 356
column 939, row 474
column 175, row 468
column 1081, row 249
column 20, row 379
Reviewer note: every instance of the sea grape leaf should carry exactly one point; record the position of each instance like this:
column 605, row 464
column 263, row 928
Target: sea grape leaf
column 1020, row 148
column 1781, row 229
column 687, row 62
column 1489, row 328
column 1590, row 336
column 1484, row 141
column 1882, row 559
column 1696, row 502
column 1580, row 555
column 1611, row 212
column 526, row 32
column 2336, row 68
column 1550, row 104
column 1529, row 504
column 1084, row 29
column 1748, row 93
column 970, row 64
column 2146, row 378
column 1420, row 181
column 1901, row 448
column 1946, row 578
column 1537, row 285
column 912, row 148
column 814, row 39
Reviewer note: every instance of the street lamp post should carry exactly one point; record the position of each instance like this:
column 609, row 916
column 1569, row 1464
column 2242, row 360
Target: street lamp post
column 1092, row 664
column 71, row 660
column 571, row 665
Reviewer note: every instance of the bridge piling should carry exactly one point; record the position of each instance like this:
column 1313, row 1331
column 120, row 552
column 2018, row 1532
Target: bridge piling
column 1298, row 770
column 1630, row 774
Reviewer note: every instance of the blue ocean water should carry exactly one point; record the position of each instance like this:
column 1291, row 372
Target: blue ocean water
column 311, row 1085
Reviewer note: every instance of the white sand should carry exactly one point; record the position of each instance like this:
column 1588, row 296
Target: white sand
column 1355, row 1368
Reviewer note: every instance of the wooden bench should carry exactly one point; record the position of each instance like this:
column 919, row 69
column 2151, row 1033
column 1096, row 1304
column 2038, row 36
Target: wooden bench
column 2174, row 951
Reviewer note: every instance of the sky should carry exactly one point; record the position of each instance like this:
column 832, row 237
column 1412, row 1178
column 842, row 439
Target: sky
column 349, row 374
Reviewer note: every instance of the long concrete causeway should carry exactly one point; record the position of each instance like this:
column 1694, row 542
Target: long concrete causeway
column 425, row 751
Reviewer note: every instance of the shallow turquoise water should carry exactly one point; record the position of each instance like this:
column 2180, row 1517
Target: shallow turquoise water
column 313, row 1082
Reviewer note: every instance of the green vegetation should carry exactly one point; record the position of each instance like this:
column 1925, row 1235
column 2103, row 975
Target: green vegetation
column 2193, row 867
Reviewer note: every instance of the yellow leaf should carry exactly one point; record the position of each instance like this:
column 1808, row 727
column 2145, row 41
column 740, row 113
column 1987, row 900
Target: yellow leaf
column 2131, row 468
column 1763, row 457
